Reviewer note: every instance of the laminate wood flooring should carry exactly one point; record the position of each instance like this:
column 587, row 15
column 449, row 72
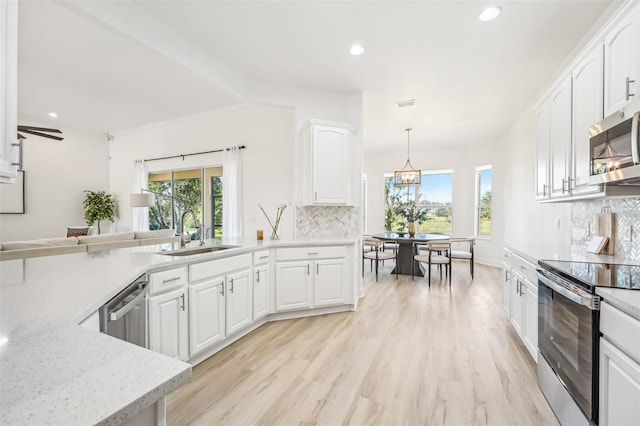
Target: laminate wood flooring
column 410, row 355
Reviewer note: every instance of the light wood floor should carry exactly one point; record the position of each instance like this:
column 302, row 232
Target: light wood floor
column 410, row 355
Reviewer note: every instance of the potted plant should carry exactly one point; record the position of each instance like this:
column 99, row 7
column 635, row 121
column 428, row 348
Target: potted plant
column 412, row 213
column 98, row 206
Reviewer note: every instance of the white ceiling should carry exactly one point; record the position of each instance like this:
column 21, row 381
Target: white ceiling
column 115, row 65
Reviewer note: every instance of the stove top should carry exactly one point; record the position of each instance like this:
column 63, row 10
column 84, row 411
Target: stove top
column 598, row 274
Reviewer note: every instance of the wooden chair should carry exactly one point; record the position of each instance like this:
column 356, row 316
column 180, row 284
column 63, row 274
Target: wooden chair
column 464, row 254
column 376, row 254
column 438, row 253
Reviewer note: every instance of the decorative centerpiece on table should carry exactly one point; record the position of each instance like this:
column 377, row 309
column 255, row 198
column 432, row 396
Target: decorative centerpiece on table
column 411, row 213
column 276, row 223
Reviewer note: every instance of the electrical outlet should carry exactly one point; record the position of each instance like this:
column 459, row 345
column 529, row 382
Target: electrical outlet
column 556, row 224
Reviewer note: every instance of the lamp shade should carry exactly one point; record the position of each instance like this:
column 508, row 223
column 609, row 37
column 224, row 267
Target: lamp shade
column 138, row 199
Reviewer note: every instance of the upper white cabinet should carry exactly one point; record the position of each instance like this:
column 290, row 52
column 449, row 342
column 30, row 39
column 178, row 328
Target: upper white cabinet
column 327, row 172
column 560, row 137
column 587, row 110
column 8, row 88
column 542, row 150
column 622, row 62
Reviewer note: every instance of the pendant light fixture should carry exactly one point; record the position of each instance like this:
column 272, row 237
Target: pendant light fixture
column 408, row 175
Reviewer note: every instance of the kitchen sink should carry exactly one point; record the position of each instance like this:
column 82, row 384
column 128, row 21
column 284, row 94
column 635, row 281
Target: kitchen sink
column 195, row 250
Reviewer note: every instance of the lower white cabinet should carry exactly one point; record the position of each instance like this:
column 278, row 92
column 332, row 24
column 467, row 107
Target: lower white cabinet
column 294, row 285
column 260, row 292
column 506, row 287
column 239, row 304
column 517, row 303
column 619, row 387
column 169, row 324
column 206, row 314
column 329, row 279
column 530, row 326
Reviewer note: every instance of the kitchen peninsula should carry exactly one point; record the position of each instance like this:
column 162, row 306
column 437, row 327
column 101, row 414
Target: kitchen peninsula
column 55, row 371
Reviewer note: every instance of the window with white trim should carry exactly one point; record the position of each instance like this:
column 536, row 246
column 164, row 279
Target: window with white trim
column 483, row 214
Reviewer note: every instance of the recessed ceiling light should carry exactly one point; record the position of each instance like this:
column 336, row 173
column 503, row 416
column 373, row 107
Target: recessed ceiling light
column 490, row 13
column 53, row 115
column 356, row 49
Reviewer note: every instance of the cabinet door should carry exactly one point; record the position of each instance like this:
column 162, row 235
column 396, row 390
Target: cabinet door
column 530, row 326
column 506, row 287
column 329, row 164
column 8, row 89
column 261, row 292
column 621, row 56
column 542, row 150
column 293, row 285
column 206, row 314
column 329, row 282
column 517, row 305
column 239, row 303
column 168, row 324
column 560, row 137
column 619, row 387
column 587, row 110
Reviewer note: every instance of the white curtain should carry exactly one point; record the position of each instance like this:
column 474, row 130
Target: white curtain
column 232, row 193
column 140, row 181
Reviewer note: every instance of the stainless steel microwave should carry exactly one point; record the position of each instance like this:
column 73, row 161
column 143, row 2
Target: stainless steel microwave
column 615, row 148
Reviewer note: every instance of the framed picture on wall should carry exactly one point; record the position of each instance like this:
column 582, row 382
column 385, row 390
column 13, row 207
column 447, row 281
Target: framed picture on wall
column 12, row 196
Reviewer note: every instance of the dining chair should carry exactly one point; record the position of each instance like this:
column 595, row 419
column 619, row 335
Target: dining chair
column 463, row 254
column 438, row 253
column 376, row 254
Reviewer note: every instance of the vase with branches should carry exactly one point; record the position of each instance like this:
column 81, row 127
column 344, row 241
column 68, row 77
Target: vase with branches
column 411, row 213
column 276, row 222
column 98, row 205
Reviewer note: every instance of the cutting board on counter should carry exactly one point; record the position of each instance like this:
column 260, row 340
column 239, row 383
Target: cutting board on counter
column 606, row 226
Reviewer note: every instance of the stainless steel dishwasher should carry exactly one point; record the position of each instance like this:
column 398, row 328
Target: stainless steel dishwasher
column 125, row 316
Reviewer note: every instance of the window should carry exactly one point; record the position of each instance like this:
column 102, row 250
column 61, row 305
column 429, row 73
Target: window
column 435, row 193
column 483, row 201
column 182, row 190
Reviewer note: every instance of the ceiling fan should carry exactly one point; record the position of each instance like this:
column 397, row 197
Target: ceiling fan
column 39, row 131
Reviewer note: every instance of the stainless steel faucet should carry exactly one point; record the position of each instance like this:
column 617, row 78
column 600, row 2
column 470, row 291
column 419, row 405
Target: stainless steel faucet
column 195, row 220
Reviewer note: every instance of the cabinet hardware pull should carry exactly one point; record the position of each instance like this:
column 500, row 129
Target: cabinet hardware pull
column 264, row 257
column 629, row 94
column 315, row 196
column 522, row 267
column 170, row 280
column 222, row 288
column 308, row 272
column 563, row 184
column 258, row 277
column 231, row 287
column 182, row 297
column 312, row 253
column 317, row 269
column 544, row 189
column 506, row 274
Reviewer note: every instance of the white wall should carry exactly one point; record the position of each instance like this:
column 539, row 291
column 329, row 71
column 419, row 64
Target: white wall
column 267, row 131
column 463, row 160
column 56, row 174
column 529, row 225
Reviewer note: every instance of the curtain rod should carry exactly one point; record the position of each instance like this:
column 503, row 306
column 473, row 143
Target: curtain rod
column 195, row 153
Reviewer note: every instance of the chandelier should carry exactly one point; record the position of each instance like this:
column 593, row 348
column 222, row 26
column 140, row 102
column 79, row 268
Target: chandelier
column 408, row 175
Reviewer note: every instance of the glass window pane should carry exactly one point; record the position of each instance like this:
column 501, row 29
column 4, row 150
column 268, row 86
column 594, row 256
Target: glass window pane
column 392, row 195
column 484, row 226
column 160, row 213
column 188, row 193
column 216, row 207
column 436, row 194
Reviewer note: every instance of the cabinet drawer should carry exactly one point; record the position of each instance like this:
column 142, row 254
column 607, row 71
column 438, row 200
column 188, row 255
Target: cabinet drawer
column 506, row 254
column 211, row 268
column 621, row 329
column 162, row 281
column 321, row 252
column 260, row 257
column 525, row 267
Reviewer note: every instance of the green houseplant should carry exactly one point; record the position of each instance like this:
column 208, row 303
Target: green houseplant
column 98, row 206
column 412, row 213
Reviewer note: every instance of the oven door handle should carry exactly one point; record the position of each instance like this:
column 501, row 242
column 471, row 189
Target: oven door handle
column 583, row 298
column 116, row 315
column 635, row 143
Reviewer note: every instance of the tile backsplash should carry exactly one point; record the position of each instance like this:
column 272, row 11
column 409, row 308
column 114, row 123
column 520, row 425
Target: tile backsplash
column 627, row 224
column 328, row 221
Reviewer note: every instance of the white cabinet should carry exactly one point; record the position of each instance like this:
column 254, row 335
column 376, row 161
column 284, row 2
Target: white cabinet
column 587, row 110
column 261, row 292
column 329, row 282
column 168, row 324
column 619, row 368
column 311, row 277
column 517, row 303
column 326, row 168
column 506, row 288
column 239, row 304
column 206, row 314
column 560, row 137
column 294, row 285
column 542, row 150
column 8, row 89
column 530, row 326
column 622, row 62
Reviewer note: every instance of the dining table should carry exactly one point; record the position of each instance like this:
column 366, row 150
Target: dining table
column 405, row 248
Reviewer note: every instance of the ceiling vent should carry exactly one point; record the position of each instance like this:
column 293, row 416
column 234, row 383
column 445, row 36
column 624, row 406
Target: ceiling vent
column 407, row 103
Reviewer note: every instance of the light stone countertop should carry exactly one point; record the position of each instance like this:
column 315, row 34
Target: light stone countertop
column 626, row 300
column 55, row 372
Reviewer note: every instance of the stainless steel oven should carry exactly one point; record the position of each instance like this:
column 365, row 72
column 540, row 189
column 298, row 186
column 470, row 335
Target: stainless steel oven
column 125, row 315
column 568, row 319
